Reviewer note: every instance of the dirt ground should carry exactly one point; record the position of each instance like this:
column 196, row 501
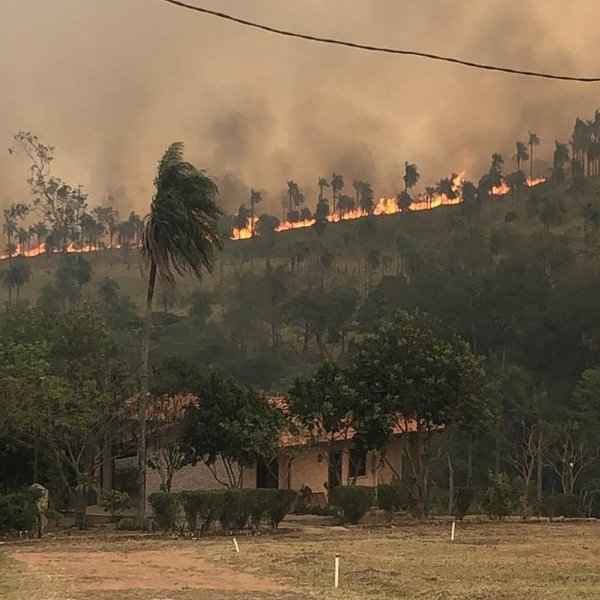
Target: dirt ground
column 499, row 561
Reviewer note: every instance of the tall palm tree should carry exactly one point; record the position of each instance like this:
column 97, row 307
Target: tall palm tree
column 16, row 276
column 411, row 175
column 534, row 140
column 323, row 183
column 337, row 185
column 561, row 157
column 357, row 185
column 179, row 235
column 521, row 155
column 23, row 239
column 430, row 194
column 255, row 198
column 40, row 231
column 11, row 229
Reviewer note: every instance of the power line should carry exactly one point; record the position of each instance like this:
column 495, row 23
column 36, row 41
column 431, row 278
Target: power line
column 416, row 53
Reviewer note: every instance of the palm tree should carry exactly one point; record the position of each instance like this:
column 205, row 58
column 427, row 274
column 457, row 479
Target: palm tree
column 292, row 192
column 22, row 238
column 521, row 155
column 534, row 140
column 561, row 157
column 323, row 183
column 179, row 235
column 366, row 197
column 10, row 228
column 357, row 185
column 255, row 198
column 40, row 231
column 430, row 194
column 411, row 176
column 16, row 276
column 337, row 185
column 136, row 224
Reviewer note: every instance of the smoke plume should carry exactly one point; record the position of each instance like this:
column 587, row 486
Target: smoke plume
column 111, row 83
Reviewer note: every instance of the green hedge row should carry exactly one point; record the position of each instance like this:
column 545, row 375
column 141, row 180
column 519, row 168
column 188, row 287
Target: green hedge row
column 233, row 509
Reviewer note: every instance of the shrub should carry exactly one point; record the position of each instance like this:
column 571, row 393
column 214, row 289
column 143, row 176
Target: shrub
column 388, row 498
column 115, row 502
column 202, row 508
column 463, row 498
column 134, row 524
column 499, row 499
column 259, row 505
column 165, row 506
column 353, row 501
column 563, row 505
column 17, row 511
column 279, row 504
column 235, row 510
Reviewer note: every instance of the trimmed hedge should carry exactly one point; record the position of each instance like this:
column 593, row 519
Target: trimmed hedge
column 235, row 509
column 354, row 501
column 201, row 509
column 165, row 506
column 394, row 497
column 563, row 505
column 17, row 511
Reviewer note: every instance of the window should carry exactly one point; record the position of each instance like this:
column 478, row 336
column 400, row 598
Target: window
column 358, row 463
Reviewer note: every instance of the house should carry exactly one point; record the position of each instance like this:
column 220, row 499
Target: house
column 302, row 462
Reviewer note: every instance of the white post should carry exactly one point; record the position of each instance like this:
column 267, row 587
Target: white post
column 237, row 548
column 336, row 578
column 453, row 531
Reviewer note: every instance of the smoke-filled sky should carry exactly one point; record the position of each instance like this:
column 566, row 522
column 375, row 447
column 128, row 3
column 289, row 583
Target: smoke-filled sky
column 110, row 83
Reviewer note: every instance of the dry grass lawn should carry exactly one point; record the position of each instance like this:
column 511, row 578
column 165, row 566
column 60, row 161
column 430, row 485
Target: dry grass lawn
column 499, row 561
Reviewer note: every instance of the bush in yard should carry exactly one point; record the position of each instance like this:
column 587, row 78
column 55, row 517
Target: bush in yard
column 259, row 505
column 235, row 510
column 463, row 498
column 353, row 501
column 115, row 502
column 165, row 506
column 499, row 498
column 279, row 504
column 388, row 498
column 202, row 508
column 17, row 511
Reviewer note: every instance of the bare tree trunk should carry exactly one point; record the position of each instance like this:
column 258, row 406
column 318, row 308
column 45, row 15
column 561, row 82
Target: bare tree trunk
column 144, row 390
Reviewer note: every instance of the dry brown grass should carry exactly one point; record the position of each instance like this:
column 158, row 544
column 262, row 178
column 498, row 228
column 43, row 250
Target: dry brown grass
column 498, row 561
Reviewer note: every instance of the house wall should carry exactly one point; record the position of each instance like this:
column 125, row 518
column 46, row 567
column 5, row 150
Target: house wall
column 310, row 468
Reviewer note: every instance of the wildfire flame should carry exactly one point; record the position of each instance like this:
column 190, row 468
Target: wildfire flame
column 384, row 206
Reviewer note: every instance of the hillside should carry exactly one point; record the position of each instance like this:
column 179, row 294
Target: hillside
column 515, row 276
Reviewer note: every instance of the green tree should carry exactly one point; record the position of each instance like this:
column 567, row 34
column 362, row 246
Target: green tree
column 323, row 404
column 230, row 427
column 410, row 378
column 179, row 235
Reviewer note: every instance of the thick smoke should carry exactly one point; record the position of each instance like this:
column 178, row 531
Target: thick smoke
column 112, row 83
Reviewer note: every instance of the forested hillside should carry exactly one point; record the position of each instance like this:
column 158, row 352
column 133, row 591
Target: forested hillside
column 511, row 265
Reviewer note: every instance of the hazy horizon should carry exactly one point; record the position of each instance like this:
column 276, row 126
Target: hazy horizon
column 110, row 84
